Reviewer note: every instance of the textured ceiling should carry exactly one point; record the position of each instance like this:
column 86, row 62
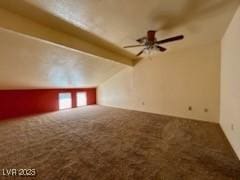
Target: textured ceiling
column 30, row 63
column 122, row 21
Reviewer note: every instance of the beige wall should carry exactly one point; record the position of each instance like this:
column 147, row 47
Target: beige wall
column 169, row 83
column 230, row 83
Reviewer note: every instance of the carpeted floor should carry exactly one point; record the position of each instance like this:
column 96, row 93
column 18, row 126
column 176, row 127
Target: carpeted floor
column 98, row 143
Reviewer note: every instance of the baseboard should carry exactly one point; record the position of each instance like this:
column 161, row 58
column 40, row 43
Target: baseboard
column 230, row 142
column 169, row 115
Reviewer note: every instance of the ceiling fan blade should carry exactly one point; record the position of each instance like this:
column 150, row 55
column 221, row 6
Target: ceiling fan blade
column 140, row 52
column 132, row 46
column 141, row 40
column 176, row 38
column 162, row 49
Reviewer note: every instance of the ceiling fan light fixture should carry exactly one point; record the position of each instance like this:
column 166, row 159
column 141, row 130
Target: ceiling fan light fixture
column 151, row 44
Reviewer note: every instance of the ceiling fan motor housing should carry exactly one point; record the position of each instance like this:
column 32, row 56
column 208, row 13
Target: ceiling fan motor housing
column 151, row 35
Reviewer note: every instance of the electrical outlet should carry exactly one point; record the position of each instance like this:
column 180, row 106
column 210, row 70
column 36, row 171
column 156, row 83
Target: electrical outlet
column 190, row 108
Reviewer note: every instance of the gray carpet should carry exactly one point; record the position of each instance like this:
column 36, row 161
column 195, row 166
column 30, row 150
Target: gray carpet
column 98, row 143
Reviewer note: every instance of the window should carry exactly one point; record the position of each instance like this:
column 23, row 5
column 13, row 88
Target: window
column 65, row 100
column 81, row 99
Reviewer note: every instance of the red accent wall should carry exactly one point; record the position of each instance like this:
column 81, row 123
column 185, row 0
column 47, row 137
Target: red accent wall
column 15, row 103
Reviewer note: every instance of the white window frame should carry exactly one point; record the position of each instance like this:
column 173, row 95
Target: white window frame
column 67, row 104
column 80, row 104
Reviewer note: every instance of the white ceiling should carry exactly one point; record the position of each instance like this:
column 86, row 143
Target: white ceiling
column 123, row 21
column 30, row 63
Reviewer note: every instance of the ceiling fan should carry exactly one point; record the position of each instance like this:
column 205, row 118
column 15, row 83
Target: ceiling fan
column 150, row 42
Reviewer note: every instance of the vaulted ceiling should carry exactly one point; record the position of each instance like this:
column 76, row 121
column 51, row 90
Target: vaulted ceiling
column 122, row 21
column 29, row 63
column 76, row 43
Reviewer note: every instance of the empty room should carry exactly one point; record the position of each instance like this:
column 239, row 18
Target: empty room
column 120, row 89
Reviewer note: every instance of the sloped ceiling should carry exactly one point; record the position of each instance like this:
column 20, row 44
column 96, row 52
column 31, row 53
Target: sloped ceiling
column 32, row 63
column 29, row 63
column 123, row 21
